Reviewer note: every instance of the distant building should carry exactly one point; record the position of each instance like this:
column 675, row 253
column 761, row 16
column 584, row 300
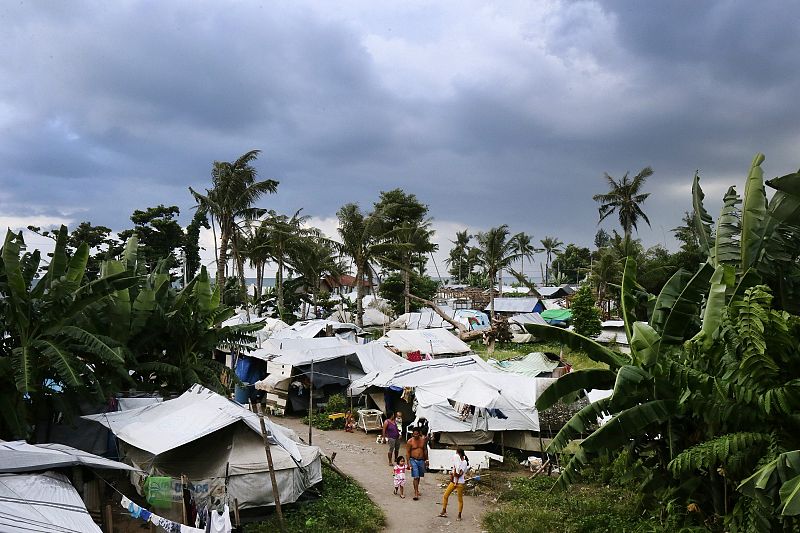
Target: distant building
column 343, row 284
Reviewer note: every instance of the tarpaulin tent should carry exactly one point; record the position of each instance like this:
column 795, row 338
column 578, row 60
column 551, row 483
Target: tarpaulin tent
column 19, row 456
column 531, row 365
column 308, row 329
column 428, row 318
column 370, row 318
column 219, row 443
column 45, row 502
column 515, row 305
column 516, row 324
column 557, row 315
column 499, row 402
column 436, row 341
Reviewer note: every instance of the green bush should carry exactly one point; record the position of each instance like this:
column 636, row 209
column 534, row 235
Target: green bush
column 343, row 507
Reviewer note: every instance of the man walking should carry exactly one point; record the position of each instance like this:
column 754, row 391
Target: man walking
column 391, row 434
column 417, row 447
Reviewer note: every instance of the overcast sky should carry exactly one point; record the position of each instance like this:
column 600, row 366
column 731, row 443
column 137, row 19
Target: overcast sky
column 490, row 113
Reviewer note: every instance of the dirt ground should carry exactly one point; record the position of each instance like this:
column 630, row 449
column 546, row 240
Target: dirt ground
column 359, row 456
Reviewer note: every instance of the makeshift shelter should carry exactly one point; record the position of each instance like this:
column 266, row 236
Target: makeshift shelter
column 515, row 306
column 428, row 318
column 553, row 316
column 516, row 324
column 46, row 501
column 308, row 329
column 336, row 364
column 613, row 333
column 436, row 341
column 532, row 365
column 372, row 316
column 217, row 444
column 469, row 407
column 551, row 293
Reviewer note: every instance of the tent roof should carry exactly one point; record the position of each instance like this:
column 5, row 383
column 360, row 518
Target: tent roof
column 197, row 412
column 371, row 356
column 423, row 319
column 528, row 318
column 307, row 329
column 436, row 341
column 19, row 456
column 531, row 365
column 482, row 389
column 42, row 502
column 410, row 374
column 513, row 305
column 553, row 292
column 557, row 314
column 371, row 316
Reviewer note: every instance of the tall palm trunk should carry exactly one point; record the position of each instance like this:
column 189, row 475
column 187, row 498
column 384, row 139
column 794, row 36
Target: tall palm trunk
column 279, row 288
column 360, row 296
column 406, row 290
column 222, row 260
column 492, row 275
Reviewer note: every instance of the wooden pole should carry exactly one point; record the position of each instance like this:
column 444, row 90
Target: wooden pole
column 275, row 492
column 310, row 401
column 184, row 512
column 236, row 511
column 109, row 520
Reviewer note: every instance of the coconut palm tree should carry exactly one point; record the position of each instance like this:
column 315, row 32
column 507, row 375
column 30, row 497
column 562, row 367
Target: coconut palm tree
column 459, row 252
column 524, row 247
column 550, row 245
column 313, row 259
column 497, row 251
column 233, row 193
column 625, row 198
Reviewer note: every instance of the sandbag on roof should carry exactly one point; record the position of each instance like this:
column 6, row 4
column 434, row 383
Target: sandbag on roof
column 435, row 341
column 42, row 502
column 19, row 456
column 197, row 412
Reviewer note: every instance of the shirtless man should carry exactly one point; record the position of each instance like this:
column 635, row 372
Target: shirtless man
column 417, row 448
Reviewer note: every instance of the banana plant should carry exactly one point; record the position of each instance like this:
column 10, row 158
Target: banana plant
column 47, row 354
column 712, row 385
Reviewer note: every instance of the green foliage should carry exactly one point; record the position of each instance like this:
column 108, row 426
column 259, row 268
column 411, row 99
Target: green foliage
column 530, row 505
column 573, row 262
column 585, row 315
column 343, row 507
column 158, row 233
column 392, row 288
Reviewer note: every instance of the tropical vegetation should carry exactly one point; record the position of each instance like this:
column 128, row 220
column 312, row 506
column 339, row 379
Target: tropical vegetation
column 705, row 406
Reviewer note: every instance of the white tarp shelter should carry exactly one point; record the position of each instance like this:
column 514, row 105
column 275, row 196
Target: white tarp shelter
column 513, row 305
column 517, row 324
column 19, row 456
column 208, row 437
column 428, row 318
column 408, row 374
column 436, row 341
column 372, row 316
column 501, row 402
column 45, row 502
column 308, row 329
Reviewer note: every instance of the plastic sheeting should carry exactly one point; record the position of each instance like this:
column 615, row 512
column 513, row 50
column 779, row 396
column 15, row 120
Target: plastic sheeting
column 531, row 365
column 308, row 329
column 19, row 456
column 42, row 502
column 194, row 414
column 514, row 305
column 436, row 341
column 409, row 374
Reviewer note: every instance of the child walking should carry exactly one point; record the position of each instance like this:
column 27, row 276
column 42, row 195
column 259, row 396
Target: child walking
column 457, row 480
column 399, row 470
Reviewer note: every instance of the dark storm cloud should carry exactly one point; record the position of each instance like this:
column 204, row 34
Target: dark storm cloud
column 490, row 114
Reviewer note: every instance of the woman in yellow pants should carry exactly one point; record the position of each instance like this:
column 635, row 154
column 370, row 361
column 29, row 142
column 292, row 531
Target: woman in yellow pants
column 460, row 467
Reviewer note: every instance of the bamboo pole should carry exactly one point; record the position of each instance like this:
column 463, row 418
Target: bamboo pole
column 109, row 520
column 310, row 401
column 275, row 492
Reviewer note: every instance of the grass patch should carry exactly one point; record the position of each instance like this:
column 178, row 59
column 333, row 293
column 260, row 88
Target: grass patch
column 509, row 350
column 343, row 507
column 528, row 506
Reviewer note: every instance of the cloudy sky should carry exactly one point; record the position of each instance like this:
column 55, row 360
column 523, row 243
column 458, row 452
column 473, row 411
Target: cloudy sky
column 491, row 113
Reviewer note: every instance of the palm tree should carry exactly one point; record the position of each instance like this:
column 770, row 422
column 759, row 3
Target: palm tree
column 359, row 233
column 624, row 198
column 313, row 259
column 233, row 193
column 550, row 245
column 497, row 251
column 283, row 233
column 460, row 250
column 524, row 247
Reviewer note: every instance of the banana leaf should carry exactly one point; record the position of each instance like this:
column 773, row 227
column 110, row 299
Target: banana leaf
column 766, row 482
column 594, row 378
column 595, row 351
column 645, row 344
column 579, row 424
column 790, row 497
column 754, row 215
column 667, row 297
column 726, row 244
column 686, row 305
column 628, row 424
column 715, row 306
column 702, row 220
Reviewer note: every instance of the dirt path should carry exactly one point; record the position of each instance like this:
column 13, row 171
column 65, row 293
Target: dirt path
column 359, row 456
